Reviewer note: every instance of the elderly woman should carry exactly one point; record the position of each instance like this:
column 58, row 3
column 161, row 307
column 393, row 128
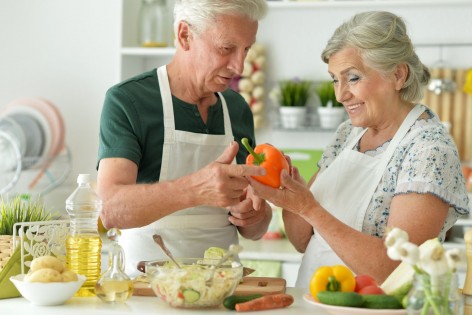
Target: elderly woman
column 392, row 164
column 165, row 162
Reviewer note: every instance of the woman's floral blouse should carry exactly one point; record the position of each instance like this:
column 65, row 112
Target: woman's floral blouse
column 426, row 161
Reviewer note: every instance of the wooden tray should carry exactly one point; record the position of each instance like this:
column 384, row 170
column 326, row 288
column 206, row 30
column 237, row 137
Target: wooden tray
column 262, row 285
column 249, row 285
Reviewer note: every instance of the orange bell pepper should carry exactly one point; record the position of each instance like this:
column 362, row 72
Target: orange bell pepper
column 332, row 278
column 268, row 157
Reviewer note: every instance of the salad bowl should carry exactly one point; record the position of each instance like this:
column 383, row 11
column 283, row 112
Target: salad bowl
column 197, row 283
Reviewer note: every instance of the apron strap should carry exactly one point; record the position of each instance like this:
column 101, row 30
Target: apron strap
column 410, row 119
column 169, row 123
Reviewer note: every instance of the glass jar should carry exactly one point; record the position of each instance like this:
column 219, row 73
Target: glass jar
column 435, row 295
column 154, row 26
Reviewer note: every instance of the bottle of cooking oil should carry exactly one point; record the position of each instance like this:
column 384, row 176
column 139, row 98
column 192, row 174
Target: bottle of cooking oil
column 84, row 245
column 114, row 285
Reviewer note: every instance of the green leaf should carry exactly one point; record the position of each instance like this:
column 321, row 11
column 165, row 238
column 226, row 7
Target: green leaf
column 19, row 210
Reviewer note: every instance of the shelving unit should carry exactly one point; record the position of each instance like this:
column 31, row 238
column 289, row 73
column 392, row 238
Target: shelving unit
column 135, row 59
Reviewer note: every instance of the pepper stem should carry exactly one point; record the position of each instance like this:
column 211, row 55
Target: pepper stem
column 258, row 158
column 333, row 284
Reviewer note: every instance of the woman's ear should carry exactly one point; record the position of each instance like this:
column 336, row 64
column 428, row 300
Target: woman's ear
column 401, row 74
column 183, row 35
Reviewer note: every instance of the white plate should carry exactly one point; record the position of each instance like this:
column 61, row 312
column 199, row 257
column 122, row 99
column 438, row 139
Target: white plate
column 24, row 109
column 342, row 310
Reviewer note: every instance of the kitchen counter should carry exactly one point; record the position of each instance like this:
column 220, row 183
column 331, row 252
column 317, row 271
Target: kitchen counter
column 143, row 305
column 278, row 251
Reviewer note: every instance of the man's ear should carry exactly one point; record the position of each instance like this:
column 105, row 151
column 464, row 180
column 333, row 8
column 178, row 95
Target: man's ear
column 401, row 74
column 183, row 35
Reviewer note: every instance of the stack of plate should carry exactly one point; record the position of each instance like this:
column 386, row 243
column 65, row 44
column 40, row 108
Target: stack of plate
column 31, row 135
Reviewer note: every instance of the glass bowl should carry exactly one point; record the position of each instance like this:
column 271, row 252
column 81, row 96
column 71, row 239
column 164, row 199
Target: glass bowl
column 197, row 284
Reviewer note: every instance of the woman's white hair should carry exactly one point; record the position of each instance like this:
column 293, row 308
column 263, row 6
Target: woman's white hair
column 202, row 13
column 383, row 42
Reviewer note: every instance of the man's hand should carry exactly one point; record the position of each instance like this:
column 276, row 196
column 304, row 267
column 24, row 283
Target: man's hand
column 249, row 211
column 221, row 183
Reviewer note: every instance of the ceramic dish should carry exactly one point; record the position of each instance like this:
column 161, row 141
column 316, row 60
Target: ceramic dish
column 34, row 137
column 51, row 293
column 17, row 109
column 342, row 310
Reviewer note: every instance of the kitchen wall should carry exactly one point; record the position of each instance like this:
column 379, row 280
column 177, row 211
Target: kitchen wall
column 65, row 51
column 68, row 52
column 295, row 36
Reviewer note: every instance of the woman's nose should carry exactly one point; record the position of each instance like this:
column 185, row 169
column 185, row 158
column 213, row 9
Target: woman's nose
column 342, row 92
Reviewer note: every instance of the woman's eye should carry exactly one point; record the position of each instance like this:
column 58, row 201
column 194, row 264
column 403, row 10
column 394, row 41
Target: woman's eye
column 353, row 78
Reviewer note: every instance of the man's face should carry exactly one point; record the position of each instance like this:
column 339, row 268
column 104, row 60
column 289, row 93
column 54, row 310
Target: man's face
column 219, row 52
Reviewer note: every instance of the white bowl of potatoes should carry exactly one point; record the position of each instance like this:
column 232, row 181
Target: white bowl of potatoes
column 48, row 282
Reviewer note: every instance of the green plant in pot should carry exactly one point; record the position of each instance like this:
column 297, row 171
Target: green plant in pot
column 330, row 111
column 16, row 210
column 292, row 96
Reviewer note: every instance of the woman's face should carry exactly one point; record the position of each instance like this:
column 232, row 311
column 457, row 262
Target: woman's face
column 368, row 96
column 219, row 52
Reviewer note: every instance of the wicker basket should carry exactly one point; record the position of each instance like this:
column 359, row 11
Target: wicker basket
column 6, row 249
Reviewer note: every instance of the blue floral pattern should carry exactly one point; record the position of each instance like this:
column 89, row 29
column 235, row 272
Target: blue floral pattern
column 426, row 161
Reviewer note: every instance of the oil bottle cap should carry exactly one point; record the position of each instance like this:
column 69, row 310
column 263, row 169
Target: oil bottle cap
column 83, row 178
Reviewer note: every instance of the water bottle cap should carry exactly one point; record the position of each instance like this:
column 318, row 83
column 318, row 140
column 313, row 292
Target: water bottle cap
column 83, row 178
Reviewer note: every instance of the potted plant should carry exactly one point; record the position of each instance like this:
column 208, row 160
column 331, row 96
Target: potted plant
column 16, row 210
column 330, row 111
column 292, row 97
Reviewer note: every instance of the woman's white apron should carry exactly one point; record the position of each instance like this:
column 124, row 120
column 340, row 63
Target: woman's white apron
column 188, row 232
column 345, row 189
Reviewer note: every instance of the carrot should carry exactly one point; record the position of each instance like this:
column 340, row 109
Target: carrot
column 266, row 302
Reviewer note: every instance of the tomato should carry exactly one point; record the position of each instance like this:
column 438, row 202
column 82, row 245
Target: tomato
column 371, row 289
column 363, row 281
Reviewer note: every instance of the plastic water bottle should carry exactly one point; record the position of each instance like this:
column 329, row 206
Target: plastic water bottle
column 84, row 245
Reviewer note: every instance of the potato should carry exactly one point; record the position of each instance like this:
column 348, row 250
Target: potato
column 47, row 262
column 68, row 276
column 44, row 275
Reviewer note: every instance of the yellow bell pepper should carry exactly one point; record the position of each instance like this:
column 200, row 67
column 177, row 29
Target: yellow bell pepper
column 332, row 278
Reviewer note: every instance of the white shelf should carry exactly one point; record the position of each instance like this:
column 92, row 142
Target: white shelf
column 141, row 51
column 293, row 4
column 464, row 222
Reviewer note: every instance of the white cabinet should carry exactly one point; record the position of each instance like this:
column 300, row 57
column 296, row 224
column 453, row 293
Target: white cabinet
column 314, row 22
column 133, row 58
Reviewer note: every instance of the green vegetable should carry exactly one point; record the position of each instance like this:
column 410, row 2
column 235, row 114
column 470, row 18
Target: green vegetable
column 190, row 295
column 381, row 301
column 231, row 301
column 350, row 299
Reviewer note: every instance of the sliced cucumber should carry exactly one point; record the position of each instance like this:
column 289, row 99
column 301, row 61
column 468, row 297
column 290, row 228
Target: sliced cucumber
column 190, row 295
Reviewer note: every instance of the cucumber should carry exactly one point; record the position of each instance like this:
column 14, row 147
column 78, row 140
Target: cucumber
column 231, row 301
column 381, row 301
column 350, row 299
column 190, row 295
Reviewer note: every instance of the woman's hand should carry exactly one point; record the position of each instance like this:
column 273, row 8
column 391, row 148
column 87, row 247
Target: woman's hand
column 294, row 195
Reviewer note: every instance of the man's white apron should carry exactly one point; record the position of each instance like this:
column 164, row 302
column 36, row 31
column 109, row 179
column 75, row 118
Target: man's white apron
column 188, row 232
